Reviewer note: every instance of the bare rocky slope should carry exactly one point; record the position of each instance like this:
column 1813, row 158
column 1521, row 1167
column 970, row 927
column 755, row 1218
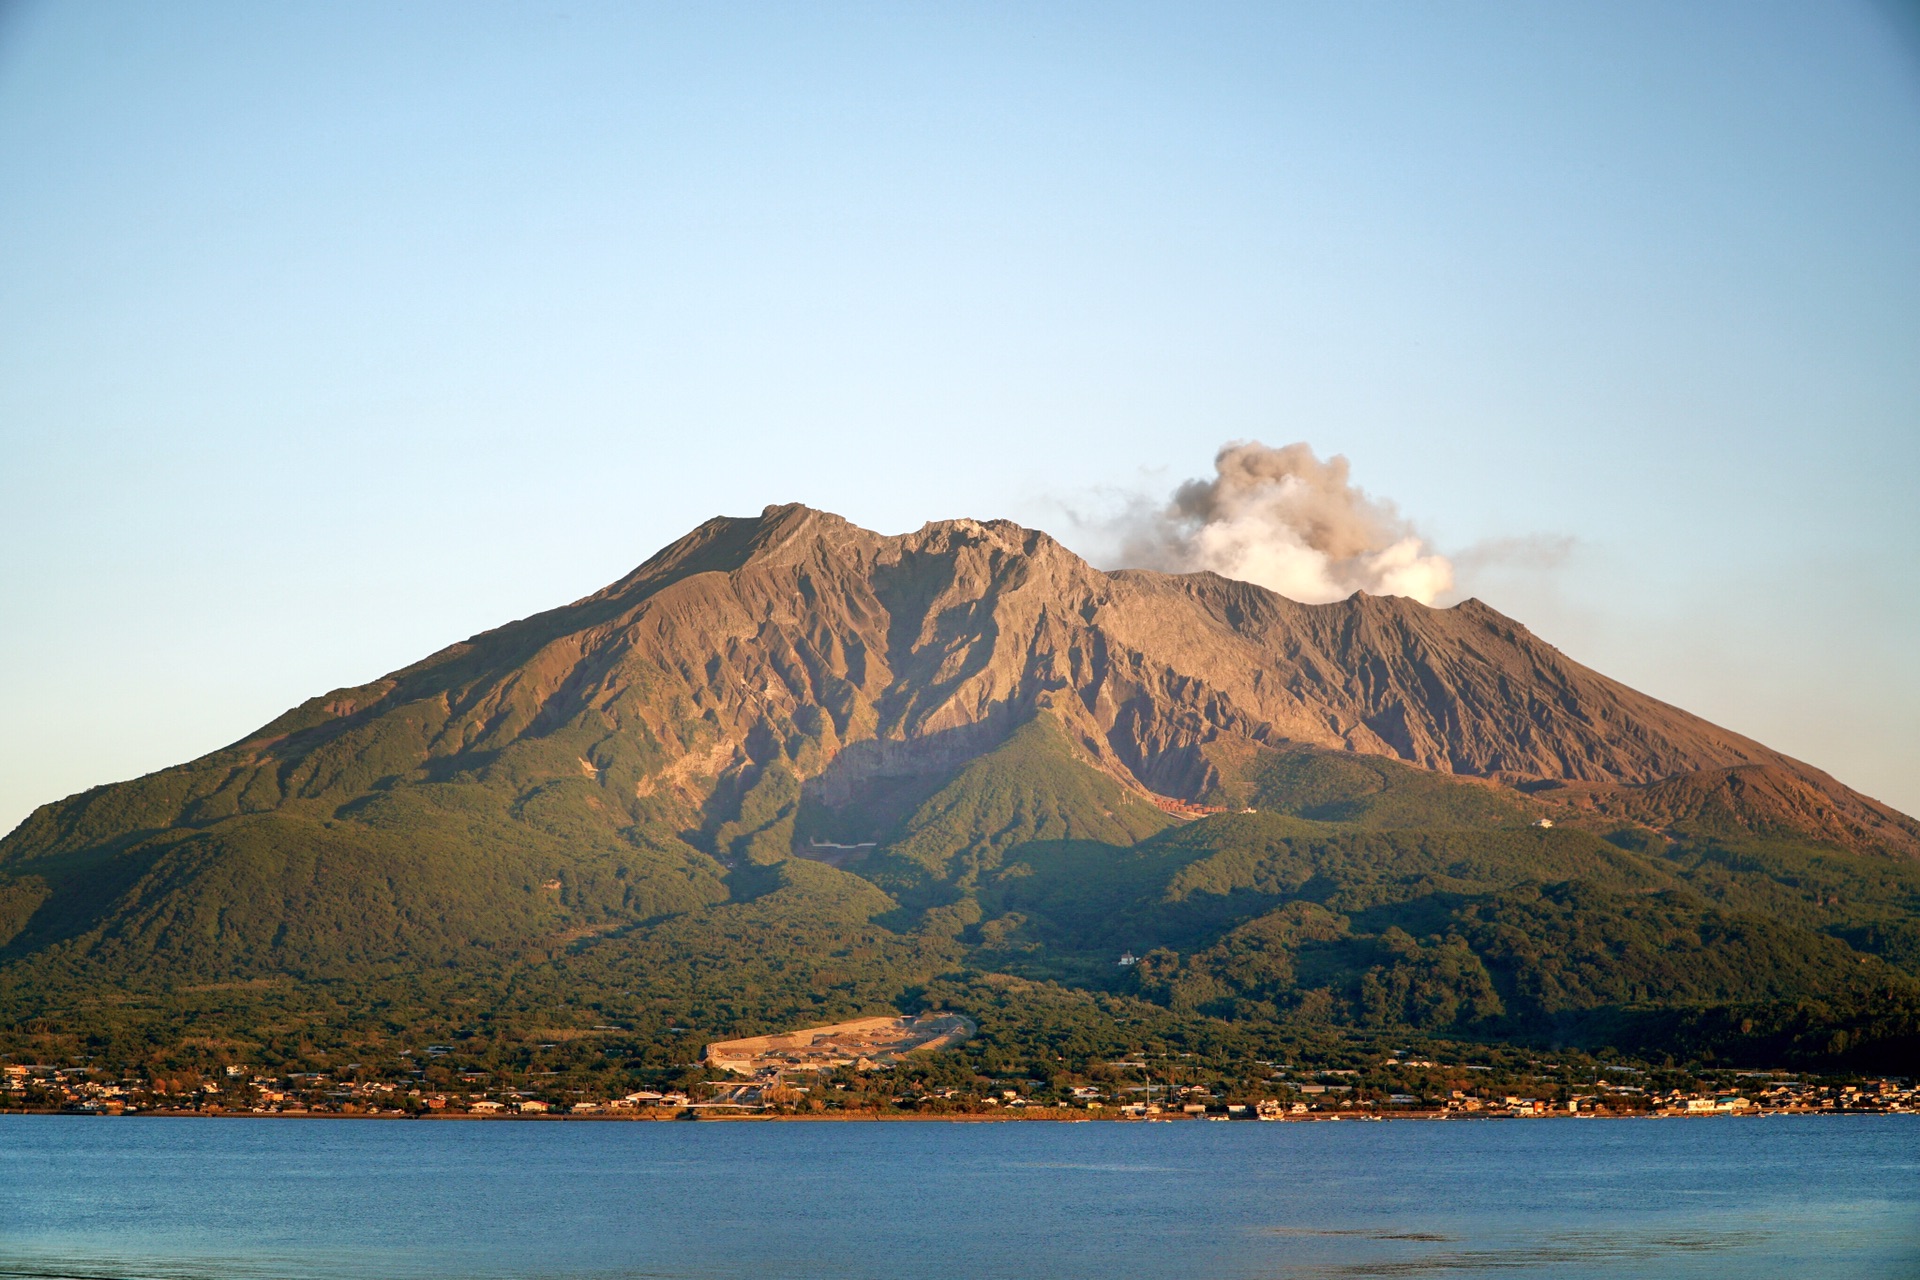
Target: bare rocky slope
column 869, row 668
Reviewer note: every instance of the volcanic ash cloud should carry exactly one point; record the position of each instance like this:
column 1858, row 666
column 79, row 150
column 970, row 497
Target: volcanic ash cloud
column 1284, row 519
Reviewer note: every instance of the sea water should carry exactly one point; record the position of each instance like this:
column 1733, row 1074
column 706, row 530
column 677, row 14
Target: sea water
column 1799, row 1198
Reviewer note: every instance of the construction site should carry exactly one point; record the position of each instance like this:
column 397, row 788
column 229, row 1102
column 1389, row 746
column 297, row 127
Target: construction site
column 863, row 1042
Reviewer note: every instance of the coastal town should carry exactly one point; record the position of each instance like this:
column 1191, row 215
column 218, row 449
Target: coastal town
column 1129, row 1089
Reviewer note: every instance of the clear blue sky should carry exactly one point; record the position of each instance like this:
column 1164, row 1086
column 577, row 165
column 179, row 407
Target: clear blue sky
column 332, row 333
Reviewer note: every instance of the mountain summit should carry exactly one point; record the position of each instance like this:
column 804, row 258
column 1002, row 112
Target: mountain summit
column 797, row 639
column 788, row 713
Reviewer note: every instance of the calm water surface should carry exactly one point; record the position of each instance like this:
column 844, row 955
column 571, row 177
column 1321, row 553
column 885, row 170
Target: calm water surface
column 169, row 1199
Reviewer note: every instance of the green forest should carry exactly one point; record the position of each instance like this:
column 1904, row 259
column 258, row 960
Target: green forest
column 1335, row 904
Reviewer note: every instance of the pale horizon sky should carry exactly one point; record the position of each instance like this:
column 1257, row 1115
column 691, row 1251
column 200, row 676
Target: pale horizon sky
column 331, row 334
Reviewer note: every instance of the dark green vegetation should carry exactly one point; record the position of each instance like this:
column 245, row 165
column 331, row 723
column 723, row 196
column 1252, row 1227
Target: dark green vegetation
column 792, row 772
column 1363, row 901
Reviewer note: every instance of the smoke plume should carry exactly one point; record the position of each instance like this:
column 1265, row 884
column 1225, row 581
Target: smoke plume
column 1284, row 519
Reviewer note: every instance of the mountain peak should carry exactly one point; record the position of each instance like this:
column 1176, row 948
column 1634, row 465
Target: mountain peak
column 964, row 625
column 857, row 661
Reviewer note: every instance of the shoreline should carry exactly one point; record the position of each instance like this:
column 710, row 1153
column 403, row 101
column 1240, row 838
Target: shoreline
column 1050, row 1117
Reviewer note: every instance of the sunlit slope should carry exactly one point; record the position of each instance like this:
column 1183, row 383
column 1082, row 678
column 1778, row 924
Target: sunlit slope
column 867, row 665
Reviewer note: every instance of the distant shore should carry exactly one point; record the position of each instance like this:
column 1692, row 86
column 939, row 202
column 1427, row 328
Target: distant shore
column 1034, row 1115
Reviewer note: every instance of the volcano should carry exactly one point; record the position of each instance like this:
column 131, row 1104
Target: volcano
column 790, row 766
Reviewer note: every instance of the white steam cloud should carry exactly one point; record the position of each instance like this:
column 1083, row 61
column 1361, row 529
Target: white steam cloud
column 1284, row 519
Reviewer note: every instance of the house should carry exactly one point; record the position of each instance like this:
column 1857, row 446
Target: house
column 485, row 1107
column 532, row 1106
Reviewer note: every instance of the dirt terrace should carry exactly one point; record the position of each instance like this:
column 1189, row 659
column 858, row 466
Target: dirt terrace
column 840, row 1044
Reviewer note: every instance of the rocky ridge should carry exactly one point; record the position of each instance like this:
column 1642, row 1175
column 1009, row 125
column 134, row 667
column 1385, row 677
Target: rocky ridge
column 865, row 665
